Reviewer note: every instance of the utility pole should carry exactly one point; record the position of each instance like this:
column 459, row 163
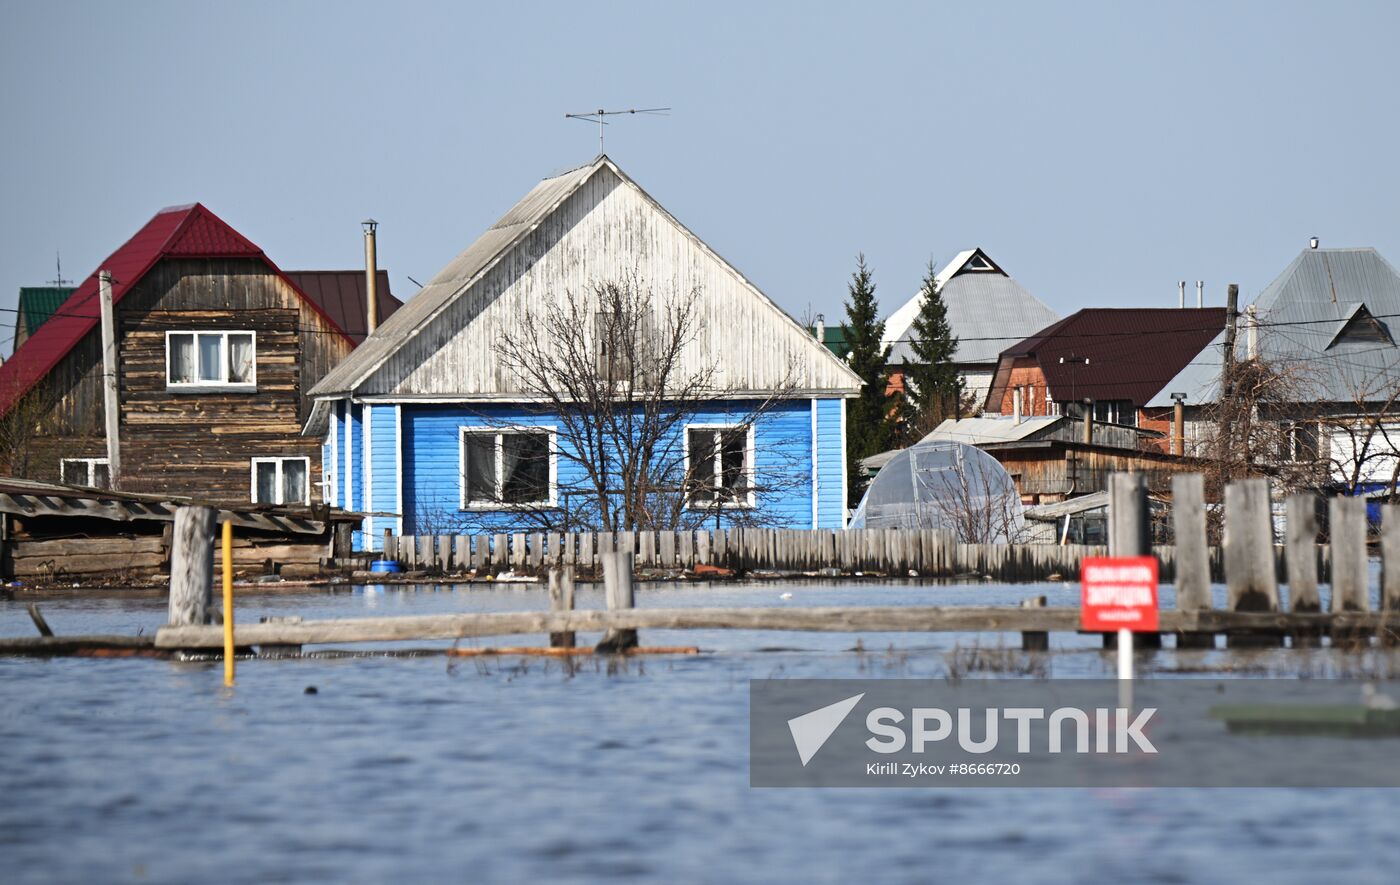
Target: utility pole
column 110, row 405
column 1232, row 319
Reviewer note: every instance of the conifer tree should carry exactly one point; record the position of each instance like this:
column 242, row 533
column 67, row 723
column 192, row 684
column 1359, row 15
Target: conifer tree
column 933, row 388
column 868, row 421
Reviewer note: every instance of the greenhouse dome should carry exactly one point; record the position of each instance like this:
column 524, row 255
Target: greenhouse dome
column 939, row 484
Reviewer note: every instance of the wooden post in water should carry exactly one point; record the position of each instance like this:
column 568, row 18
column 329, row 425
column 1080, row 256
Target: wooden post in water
column 1129, row 534
column 1250, row 581
column 1300, row 551
column 1390, row 571
column 1347, row 524
column 1192, row 563
column 192, row 567
column 1300, row 555
column 561, row 599
column 1034, row 640
column 617, row 583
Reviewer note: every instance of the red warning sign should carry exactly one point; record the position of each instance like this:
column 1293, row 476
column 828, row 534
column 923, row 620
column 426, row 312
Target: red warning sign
column 1119, row 593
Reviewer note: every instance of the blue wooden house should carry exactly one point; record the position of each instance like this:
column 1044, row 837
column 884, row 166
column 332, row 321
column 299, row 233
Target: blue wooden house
column 426, row 431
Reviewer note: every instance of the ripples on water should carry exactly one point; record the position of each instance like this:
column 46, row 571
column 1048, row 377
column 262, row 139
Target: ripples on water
column 412, row 769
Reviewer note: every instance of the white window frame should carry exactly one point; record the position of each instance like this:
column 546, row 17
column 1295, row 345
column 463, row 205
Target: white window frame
column 279, row 460
column 90, row 464
column 499, row 433
column 198, row 386
column 748, row 501
column 330, row 470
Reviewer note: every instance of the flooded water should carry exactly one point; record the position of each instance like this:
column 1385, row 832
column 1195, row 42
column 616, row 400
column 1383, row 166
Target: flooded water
column 511, row 770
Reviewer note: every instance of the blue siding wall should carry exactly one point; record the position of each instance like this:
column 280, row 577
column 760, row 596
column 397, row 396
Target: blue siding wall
column 384, row 492
column 831, row 491
column 432, row 481
column 354, row 464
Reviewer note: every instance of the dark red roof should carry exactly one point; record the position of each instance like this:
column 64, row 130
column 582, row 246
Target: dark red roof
column 341, row 296
column 190, row 231
column 1133, row 352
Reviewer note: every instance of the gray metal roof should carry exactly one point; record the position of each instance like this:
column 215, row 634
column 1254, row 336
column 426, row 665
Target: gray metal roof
column 1300, row 315
column 408, row 320
column 988, row 312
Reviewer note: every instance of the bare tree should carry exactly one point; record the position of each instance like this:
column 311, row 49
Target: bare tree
column 1361, row 437
column 1255, row 425
column 647, row 437
column 979, row 505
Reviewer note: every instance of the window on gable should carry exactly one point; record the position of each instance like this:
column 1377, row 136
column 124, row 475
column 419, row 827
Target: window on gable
column 979, row 262
column 507, row 468
column 1363, row 328
column 90, row 472
column 198, row 360
column 720, row 462
column 282, row 480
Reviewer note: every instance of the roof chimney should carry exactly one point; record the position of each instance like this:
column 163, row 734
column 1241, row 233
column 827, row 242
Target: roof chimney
column 1181, row 294
column 1200, row 293
column 821, row 328
column 371, row 277
column 1312, row 244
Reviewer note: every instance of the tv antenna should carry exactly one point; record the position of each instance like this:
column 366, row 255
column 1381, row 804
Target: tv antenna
column 58, row 263
column 599, row 115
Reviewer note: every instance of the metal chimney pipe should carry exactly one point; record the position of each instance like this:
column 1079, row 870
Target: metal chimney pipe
column 1181, row 294
column 371, row 277
column 1200, row 293
column 1251, row 333
column 821, row 328
column 1016, row 405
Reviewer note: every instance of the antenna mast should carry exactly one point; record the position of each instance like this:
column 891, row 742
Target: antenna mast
column 58, row 263
column 598, row 117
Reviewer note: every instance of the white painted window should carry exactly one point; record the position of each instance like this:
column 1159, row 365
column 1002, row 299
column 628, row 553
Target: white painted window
column 211, row 360
column 719, row 465
column 91, row 472
column 504, row 468
column 282, row 480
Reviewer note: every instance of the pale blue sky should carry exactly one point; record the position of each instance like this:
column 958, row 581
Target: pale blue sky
column 1098, row 151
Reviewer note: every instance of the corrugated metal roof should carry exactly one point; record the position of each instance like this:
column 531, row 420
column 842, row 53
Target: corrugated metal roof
column 38, row 303
column 452, row 279
column 1300, row 314
column 190, row 231
column 987, row 311
column 1133, row 353
column 341, row 296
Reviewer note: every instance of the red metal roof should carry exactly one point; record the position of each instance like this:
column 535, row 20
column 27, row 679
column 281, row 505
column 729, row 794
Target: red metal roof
column 190, row 231
column 341, row 296
column 1132, row 352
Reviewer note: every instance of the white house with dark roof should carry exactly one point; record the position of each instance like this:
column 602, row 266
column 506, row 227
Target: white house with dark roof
column 987, row 310
column 1332, row 318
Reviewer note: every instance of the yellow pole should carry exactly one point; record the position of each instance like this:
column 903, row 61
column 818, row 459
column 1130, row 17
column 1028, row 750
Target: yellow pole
column 228, row 603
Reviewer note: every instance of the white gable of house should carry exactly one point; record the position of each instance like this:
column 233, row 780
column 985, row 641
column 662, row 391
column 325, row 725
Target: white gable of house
column 589, row 226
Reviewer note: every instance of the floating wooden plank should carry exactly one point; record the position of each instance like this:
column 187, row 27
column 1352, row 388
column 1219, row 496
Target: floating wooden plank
column 884, row 619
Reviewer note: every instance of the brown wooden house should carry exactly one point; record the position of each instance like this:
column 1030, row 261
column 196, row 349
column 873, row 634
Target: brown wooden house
column 216, row 350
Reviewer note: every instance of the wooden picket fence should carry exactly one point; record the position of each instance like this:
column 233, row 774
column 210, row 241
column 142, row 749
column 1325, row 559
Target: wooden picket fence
column 886, row 552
